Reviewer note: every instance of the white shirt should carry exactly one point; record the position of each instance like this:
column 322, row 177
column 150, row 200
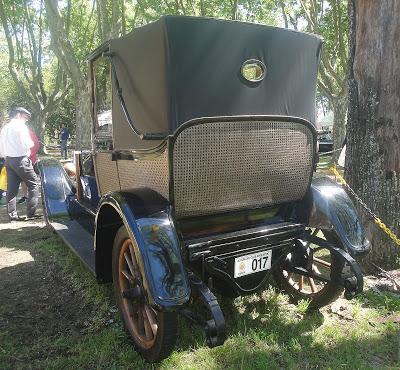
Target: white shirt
column 15, row 140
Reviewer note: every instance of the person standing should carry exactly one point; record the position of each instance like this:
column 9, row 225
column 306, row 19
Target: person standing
column 3, row 176
column 64, row 136
column 3, row 179
column 33, row 158
column 16, row 143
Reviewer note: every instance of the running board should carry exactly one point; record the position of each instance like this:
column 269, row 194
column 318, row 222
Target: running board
column 78, row 239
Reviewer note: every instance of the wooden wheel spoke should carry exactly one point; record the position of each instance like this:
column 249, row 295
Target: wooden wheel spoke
column 152, row 319
column 318, row 282
column 147, row 327
column 312, row 284
column 129, row 277
column 140, row 320
column 322, row 262
column 129, row 263
column 301, row 282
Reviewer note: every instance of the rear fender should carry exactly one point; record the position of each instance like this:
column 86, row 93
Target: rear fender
column 146, row 216
column 332, row 208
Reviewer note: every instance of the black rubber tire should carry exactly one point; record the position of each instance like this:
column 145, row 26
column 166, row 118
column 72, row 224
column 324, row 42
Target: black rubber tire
column 329, row 293
column 166, row 321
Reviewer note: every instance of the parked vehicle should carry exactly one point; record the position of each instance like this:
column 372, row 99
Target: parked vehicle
column 199, row 177
column 325, row 142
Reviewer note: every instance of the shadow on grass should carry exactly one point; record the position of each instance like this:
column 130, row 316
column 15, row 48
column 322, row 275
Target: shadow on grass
column 53, row 314
column 36, row 298
column 265, row 314
column 266, row 333
column 349, row 353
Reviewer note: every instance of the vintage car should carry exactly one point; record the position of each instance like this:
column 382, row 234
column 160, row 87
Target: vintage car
column 199, row 177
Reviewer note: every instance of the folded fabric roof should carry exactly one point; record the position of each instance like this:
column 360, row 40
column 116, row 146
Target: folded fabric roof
column 179, row 68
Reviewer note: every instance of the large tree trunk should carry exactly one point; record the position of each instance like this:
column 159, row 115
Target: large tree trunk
column 373, row 129
column 40, row 124
column 65, row 54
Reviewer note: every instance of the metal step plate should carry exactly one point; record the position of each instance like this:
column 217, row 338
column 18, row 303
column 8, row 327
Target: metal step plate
column 78, row 239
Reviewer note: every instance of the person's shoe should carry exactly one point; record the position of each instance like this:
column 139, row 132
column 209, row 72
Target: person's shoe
column 16, row 218
column 22, row 200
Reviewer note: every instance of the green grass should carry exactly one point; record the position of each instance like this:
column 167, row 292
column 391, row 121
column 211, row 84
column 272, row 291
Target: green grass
column 264, row 330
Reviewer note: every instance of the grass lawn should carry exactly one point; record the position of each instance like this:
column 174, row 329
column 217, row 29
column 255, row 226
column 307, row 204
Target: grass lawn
column 53, row 315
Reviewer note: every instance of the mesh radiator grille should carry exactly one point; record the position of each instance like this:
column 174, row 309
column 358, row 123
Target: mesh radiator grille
column 223, row 166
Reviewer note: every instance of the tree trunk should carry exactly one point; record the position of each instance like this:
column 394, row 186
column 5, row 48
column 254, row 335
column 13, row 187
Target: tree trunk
column 83, row 119
column 373, row 129
column 116, row 18
column 339, row 127
column 65, row 54
column 234, row 10
column 104, row 20
column 39, row 124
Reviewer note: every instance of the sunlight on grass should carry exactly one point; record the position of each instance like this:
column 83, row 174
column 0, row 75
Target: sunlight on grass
column 302, row 305
column 265, row 331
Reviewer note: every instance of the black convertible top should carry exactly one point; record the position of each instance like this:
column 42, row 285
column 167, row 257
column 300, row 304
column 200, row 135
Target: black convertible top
column 179, row 68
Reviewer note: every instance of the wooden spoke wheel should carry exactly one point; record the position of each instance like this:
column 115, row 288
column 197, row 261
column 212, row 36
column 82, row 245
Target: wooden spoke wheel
column 153, row 332
column 325, row 265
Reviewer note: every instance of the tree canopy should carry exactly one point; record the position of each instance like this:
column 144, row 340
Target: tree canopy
column 44, row 44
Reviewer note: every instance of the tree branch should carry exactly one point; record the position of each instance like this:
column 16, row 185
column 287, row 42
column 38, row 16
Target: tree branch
column 11, row 56
column 61, row 45
column 283, row 10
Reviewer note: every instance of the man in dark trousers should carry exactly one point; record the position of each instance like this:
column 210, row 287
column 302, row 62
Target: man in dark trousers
column 16, row 143
column 64, row 136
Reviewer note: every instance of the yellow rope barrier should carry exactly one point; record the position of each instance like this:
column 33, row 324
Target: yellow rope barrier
column 377, row 220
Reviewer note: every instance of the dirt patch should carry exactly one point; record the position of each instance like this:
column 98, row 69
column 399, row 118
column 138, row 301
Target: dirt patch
column 37, row 300
column 11, row 257
column 387, row 281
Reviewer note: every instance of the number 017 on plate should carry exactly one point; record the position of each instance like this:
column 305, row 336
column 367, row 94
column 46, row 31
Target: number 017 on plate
column 252, row 263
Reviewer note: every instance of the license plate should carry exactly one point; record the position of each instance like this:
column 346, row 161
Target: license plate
column 252, row 263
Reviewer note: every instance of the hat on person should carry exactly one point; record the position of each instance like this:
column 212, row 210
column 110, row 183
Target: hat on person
column 21, row 110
